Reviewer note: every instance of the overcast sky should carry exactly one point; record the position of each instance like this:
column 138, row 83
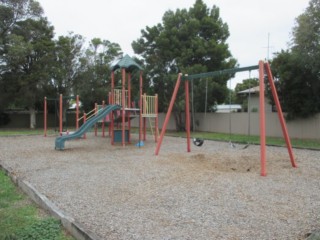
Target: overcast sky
column 121, row 21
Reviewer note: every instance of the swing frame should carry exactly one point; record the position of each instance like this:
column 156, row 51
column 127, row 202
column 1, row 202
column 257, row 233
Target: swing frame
column 264, row 70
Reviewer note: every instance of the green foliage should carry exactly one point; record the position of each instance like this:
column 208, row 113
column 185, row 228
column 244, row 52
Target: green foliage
column 24, row 37
column 297, row 70
column 93, row 80
column 48, row 229
column 19, row 219
column 187, row 41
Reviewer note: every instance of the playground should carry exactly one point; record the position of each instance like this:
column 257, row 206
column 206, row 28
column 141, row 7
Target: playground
column 212, row 192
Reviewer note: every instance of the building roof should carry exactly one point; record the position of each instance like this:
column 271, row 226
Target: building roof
column 127, row 63
column 250, row 90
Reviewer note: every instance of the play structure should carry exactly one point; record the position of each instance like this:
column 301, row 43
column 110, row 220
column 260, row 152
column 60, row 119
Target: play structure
column 264, row 72
column 120, row 110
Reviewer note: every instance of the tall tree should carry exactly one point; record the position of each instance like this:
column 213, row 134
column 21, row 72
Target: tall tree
column 28, row 53
column 12, row 14
column 93, row 80
column 187, row 41
column 297, row 71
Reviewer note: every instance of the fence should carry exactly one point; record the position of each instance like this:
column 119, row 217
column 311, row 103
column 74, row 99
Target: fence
column 211, row 122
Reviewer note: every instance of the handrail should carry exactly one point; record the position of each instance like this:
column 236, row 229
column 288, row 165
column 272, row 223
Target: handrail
column 88, row 113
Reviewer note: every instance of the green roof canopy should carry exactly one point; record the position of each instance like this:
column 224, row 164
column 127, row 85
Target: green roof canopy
column 127, row 63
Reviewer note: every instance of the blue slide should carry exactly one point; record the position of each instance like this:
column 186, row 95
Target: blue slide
column 59, row 143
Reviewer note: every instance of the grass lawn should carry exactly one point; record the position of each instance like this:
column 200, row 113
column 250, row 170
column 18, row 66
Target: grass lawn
column 21, row 219
column 236, row 138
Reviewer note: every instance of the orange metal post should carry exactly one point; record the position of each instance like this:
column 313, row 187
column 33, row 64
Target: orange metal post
column 262, row 120
column 123, row 105
column 95, row 113
column 111, row 127
column 187, row 115
column 129, row 105
column 45, row 116
column 84, row 121
column 173, row 98
column 103, row 121
column 157, row 119
column 140, row 106
column 60, row 114
column 280, row 114
column 77, row 112
column 144, row 129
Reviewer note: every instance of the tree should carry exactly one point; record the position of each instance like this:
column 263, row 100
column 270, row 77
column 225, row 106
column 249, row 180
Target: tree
column 13, row 13
column 28, row 53
column 188, row 41
column 296, row 70
column 93, row 80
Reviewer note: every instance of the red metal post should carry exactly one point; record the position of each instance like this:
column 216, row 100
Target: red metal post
column 173, row 98
column 129, row 106
column 262, row 120
column 95, row 113
column 140, row 106
column 187, row 115
column 157, row 119
column 103, row 121
column 111, row 101
column 280, row 114
column 123, row 105
column 77, row 112
column 84, row 121
column 144, row 129
column 45, row 116
column 60, row 114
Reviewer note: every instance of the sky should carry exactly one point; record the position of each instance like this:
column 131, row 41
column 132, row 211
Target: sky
column 257, row 28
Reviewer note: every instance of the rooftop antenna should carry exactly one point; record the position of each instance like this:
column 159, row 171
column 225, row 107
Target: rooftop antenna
column 268, row 47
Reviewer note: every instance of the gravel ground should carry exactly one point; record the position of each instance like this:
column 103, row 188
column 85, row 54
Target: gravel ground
column 214, row 192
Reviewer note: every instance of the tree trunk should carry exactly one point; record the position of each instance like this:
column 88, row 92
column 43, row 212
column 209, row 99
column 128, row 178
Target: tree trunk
column 32, row 118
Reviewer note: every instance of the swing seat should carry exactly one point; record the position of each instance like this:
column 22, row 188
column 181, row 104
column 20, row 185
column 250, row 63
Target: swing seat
column 198, row 142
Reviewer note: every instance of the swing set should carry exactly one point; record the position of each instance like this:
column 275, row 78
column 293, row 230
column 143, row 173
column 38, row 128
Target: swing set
column 264, row 71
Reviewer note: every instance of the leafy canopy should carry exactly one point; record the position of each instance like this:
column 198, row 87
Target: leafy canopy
column 297, row 70
column 188, row 41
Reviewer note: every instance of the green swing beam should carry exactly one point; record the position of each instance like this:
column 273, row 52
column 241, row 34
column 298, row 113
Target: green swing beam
column 218, row 73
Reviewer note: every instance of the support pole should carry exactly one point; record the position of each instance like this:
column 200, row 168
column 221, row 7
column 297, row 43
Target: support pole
column 164, row 127
column 111, row 101
column 129, row 106
column 157, row 118
column 140, row 106
column 123, row 105
column 262, row 120
column 280, row 114
column 45, row 116
column 84, row 121
column 60, row 114
column 77, row 112
column 95, row 113
column 186, row 84
column 103, row 121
